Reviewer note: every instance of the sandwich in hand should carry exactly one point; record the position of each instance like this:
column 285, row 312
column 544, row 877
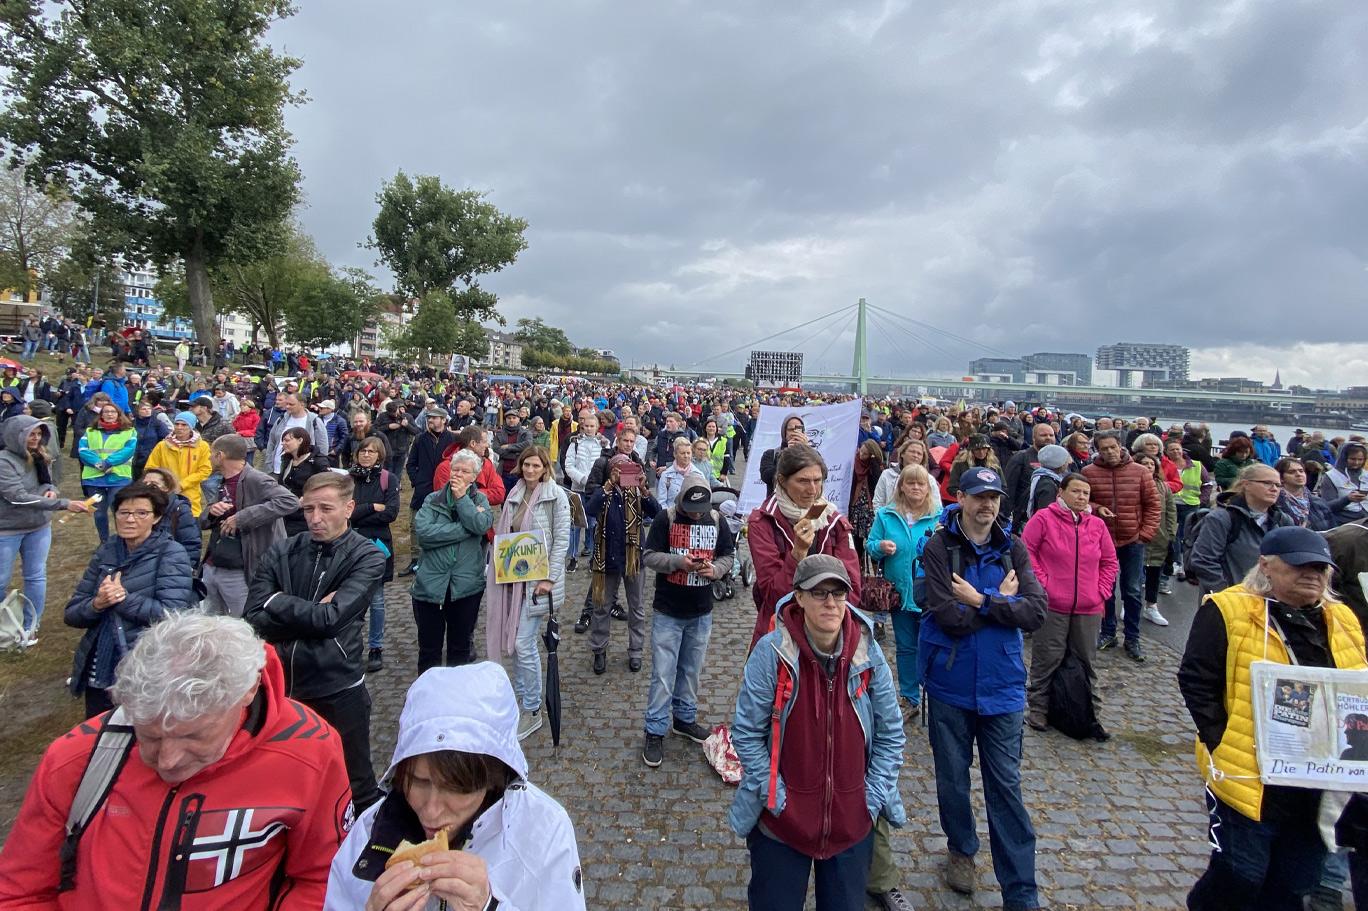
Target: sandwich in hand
column 407, row 850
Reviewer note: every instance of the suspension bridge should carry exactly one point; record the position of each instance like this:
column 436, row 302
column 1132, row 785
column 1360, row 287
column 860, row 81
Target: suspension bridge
column 896, row 333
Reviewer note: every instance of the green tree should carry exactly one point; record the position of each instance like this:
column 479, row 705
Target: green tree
column 37, row 230
column 536, row 334
column 435, row 239
column 437, row 329
column 329, row 309
column 261, row 289
column 164, row 122
column 78, row 286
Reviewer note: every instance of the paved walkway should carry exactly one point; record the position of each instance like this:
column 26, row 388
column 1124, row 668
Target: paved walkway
column 1119, row 824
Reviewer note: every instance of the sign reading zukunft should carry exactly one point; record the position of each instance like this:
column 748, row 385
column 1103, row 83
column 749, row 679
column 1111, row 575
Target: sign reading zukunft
column 1311, row 726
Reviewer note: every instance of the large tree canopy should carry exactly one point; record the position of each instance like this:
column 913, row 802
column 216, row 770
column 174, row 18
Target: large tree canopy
column 163, row 120
column 438, row 329
column 329, row 309
column 437, row 239
column 534, row 333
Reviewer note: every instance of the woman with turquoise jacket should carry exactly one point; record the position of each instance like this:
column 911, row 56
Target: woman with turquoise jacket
column 895, row 540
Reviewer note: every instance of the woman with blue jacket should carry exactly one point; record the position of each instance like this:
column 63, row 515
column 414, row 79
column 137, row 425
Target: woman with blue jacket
column 132, row 581
column 895, row 540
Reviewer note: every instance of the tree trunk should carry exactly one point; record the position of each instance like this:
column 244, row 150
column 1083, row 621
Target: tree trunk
column 201, row 296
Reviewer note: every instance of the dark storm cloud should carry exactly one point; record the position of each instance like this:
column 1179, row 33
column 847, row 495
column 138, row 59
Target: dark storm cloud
column 1029, row 174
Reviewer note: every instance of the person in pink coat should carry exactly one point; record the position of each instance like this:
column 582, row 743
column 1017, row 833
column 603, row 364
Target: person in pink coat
column 1075, row 561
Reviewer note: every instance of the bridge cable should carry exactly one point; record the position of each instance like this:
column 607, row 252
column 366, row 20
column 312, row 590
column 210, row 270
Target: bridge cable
column 714, row 357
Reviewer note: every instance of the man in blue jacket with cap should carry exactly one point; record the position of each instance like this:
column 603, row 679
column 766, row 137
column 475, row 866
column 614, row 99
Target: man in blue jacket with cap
column 981, row 596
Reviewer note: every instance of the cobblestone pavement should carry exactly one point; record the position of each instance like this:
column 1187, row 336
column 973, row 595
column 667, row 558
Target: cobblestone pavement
column 1120, row 825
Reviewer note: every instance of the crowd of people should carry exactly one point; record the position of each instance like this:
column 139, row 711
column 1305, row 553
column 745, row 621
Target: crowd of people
column 250, row 508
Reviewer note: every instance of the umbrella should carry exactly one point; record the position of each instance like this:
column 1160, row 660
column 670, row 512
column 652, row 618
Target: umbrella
column 10, row 362
column 551, row 699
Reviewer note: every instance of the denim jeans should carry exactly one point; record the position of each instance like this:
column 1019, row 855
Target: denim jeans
column 1129, row 588
column 779, row 876
column 101, row 509
column 906, row 628
column 573, row 551
column 377, row 618
column 32, row 547
column 30, row 350
column 954, row 732
column 1268, row 866
column 678, row 648
column 527, row 667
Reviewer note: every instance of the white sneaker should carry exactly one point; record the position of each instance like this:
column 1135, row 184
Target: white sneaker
column 1151, row 613
column 529, row 723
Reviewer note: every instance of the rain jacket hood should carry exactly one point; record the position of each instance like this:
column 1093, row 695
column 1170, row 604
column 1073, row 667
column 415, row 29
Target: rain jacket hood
column 13, row 431
column 525, row 838
column 483, row 720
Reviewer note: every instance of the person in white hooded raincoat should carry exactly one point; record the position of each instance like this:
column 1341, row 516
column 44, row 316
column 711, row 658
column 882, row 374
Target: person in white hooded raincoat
column 458, row 765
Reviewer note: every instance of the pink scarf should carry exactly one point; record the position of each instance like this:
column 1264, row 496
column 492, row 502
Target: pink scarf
column 506, row 599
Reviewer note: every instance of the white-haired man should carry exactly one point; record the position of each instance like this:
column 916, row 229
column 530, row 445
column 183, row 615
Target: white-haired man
column 235, row 796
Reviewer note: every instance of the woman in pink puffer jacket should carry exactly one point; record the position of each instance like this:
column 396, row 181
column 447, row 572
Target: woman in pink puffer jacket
column 1075, row 560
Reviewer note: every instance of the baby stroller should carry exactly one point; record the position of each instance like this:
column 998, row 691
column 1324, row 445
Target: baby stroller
column 725, row 501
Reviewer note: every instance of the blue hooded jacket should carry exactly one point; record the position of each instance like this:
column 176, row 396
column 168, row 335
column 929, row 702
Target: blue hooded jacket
column 971, row 657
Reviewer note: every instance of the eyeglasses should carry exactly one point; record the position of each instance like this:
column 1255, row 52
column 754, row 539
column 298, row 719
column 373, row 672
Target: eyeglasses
column 133, row 513
column 839, row 595
column 1271, row 485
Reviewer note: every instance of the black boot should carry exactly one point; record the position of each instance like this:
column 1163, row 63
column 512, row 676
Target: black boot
column 582, row 624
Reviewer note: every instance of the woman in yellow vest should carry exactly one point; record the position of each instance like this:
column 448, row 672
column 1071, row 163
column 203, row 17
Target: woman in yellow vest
column 1267, row 850
column 186, row 456
column 106, row 454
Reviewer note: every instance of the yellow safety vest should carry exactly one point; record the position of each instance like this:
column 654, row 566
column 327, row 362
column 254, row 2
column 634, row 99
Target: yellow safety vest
column 1232, row 770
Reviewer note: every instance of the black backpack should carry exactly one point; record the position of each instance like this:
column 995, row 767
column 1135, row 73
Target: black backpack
column 1191, row 527
column 1071, row 706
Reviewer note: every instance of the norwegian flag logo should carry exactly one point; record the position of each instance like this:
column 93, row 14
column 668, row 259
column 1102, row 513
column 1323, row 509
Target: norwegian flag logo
column 229, row 843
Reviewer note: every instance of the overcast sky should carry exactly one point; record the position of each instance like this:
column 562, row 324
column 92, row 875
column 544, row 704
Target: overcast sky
column 1029, row 175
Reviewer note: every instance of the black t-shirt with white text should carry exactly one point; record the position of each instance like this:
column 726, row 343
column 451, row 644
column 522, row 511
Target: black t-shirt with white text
column 685, row 595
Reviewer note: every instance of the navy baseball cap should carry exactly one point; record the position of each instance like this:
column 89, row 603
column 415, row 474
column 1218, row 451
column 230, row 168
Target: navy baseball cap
column 202, row 398
column 975, row 481
column 1295, row 545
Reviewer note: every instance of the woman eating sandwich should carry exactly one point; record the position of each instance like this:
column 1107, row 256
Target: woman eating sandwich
column 461, row 827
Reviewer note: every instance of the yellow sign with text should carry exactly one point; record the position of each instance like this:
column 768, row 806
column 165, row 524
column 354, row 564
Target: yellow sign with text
column 521, row 556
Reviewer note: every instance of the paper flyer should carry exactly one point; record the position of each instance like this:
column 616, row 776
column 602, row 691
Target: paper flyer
column 1311, row 726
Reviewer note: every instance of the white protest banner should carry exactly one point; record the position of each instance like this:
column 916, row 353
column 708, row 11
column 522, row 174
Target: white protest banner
column 459, row 365
column 833, row 430
column 1311, row 726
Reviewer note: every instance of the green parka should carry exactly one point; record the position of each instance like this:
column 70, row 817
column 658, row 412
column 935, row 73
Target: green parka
column 451, row 537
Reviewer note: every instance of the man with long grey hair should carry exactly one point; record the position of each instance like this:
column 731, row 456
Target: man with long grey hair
column 206, row 777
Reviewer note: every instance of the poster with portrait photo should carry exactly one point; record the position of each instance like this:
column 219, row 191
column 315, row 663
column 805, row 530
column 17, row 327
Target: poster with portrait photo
column 1310, row 726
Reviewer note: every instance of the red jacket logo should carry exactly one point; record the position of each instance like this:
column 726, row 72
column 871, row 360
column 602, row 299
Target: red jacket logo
column 229, row 843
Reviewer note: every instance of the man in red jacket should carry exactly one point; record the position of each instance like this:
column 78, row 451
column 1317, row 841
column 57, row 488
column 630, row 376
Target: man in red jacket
column 1124, row 496
column 224, row 793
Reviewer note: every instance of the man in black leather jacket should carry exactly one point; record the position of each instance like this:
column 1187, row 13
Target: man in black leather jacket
column 308, row 598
